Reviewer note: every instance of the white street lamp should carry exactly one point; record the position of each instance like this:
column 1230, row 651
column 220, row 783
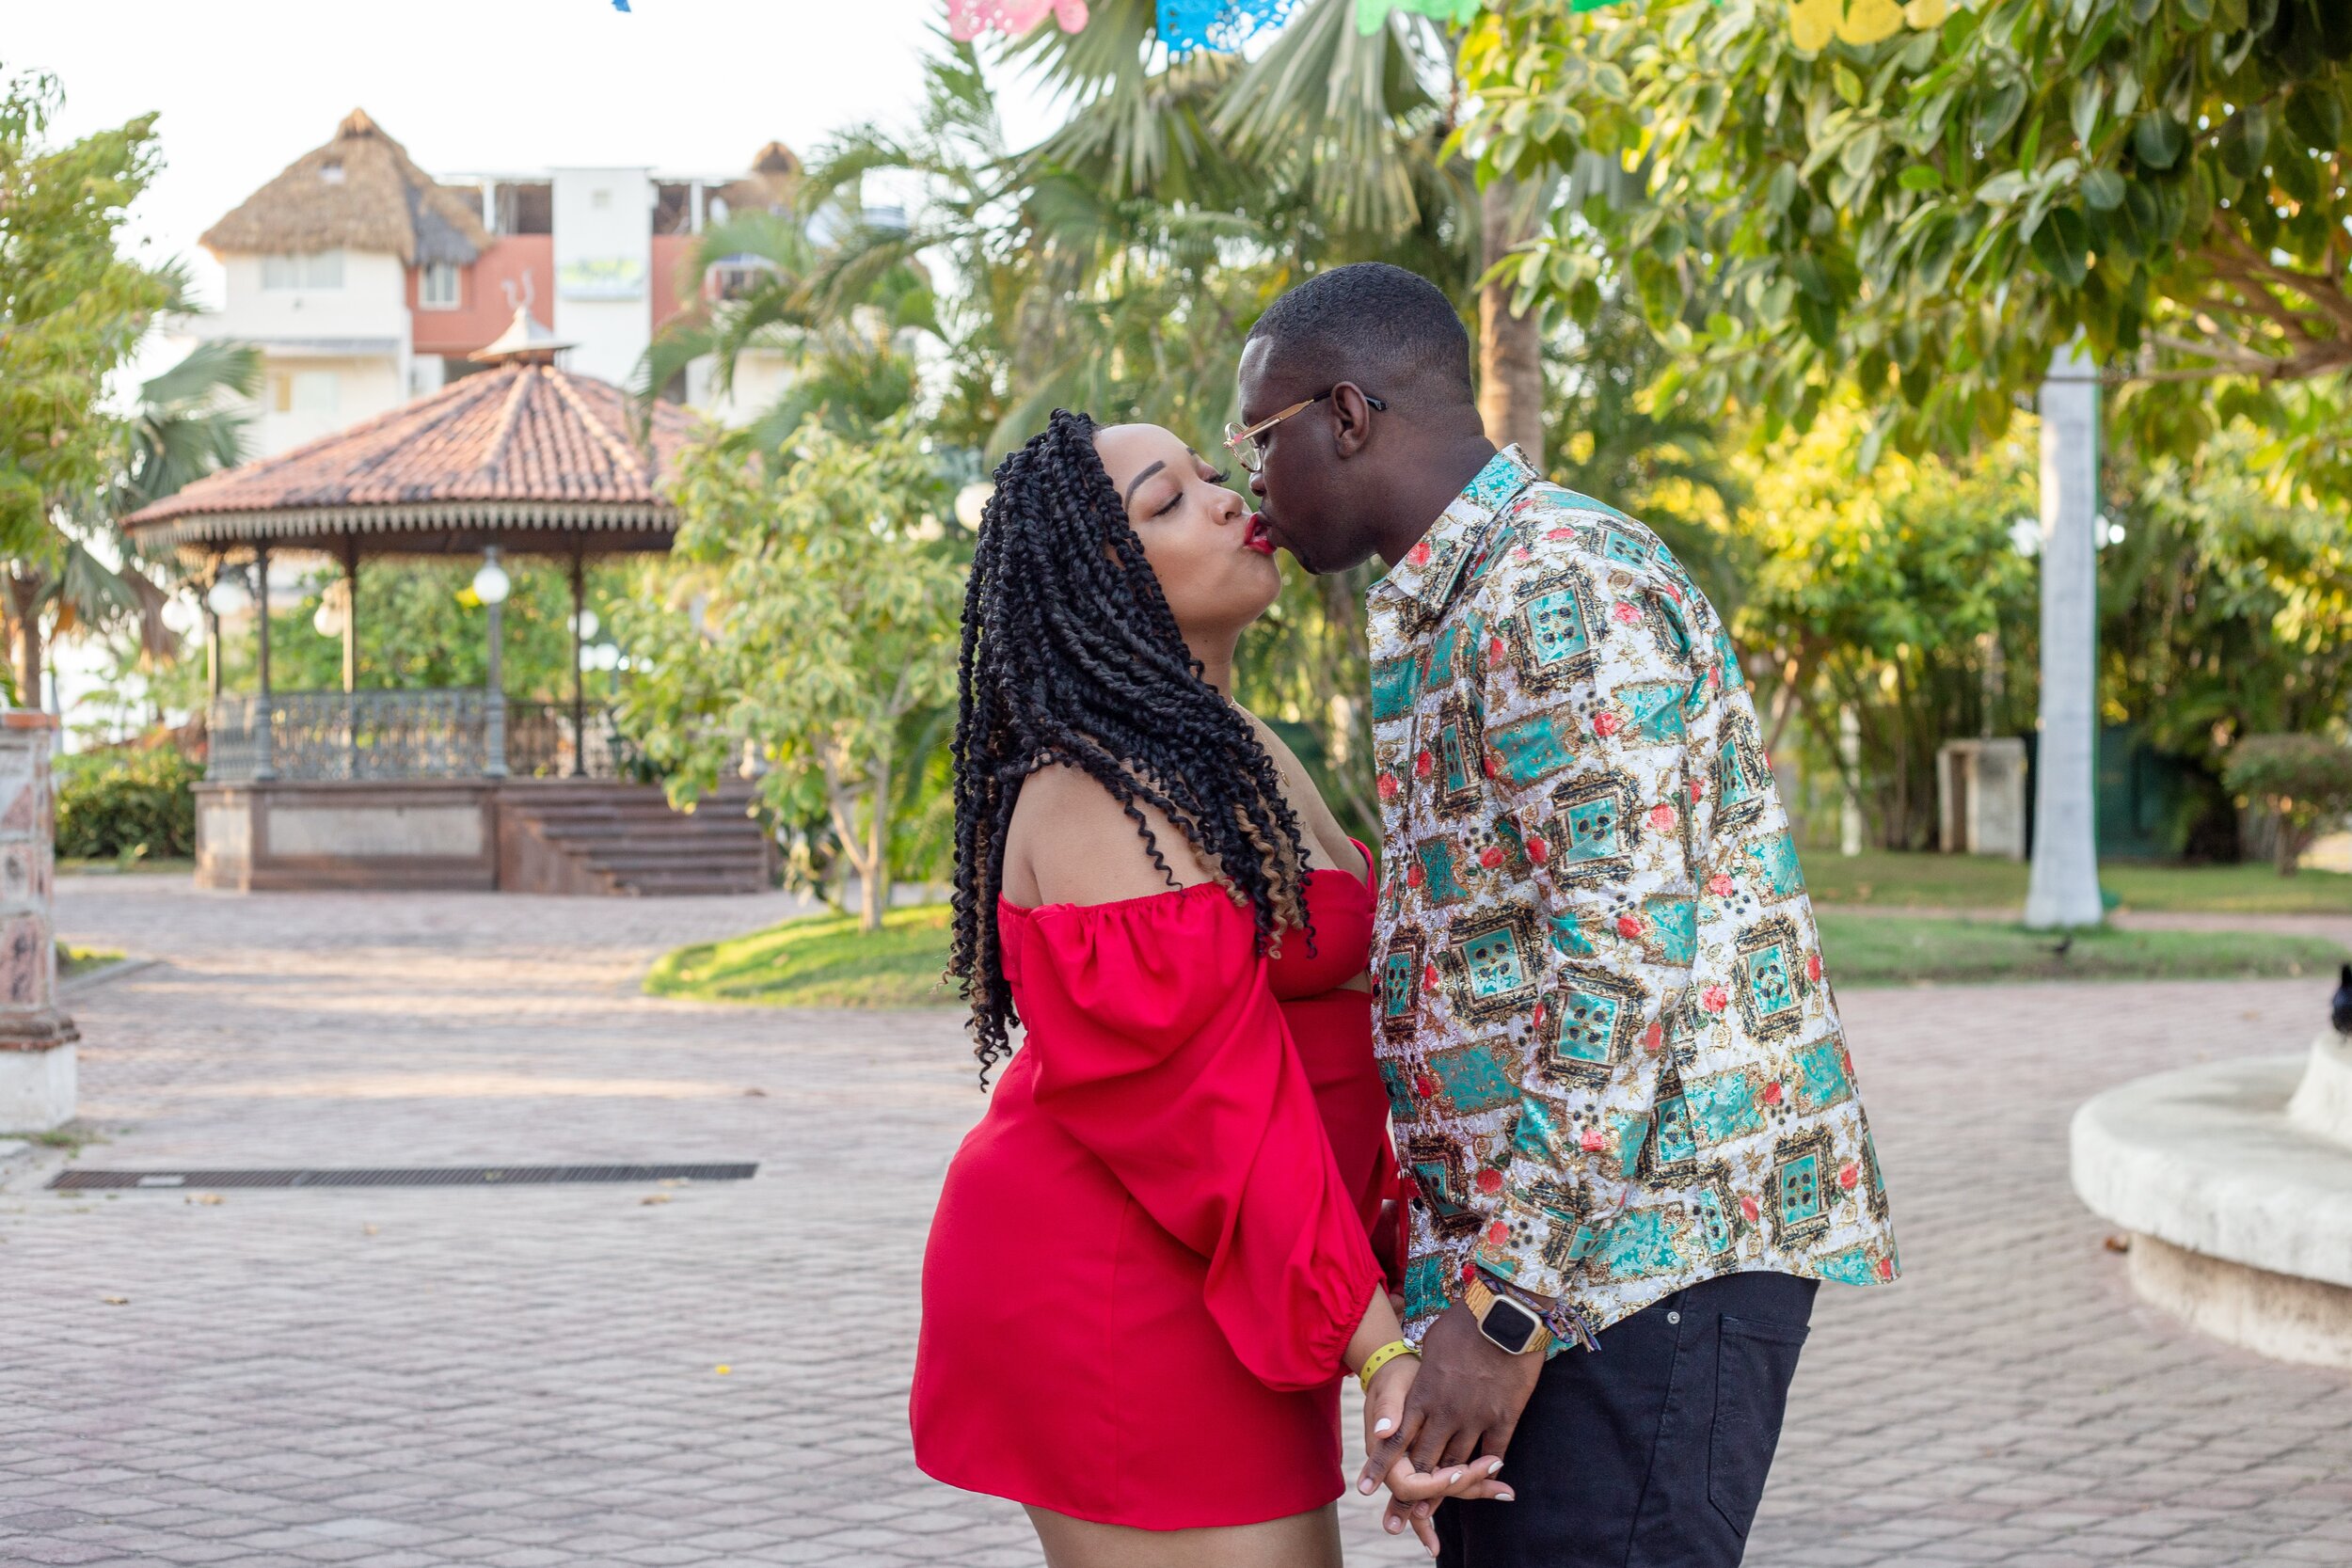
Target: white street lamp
column 491, row 584
column 972, row 504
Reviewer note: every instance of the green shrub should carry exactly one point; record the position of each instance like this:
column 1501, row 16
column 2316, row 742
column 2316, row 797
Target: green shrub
column 2305, row 779
column 116, row 803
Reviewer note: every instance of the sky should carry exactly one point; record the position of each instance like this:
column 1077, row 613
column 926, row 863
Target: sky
column 246, row 87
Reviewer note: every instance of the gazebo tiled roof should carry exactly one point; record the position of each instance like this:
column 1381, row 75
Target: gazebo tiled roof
column 517, row 448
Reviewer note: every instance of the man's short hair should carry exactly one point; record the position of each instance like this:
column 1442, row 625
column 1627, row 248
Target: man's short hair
column 1380, row 326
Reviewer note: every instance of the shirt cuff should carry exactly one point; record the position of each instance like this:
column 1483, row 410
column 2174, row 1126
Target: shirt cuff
column 1535, row 1247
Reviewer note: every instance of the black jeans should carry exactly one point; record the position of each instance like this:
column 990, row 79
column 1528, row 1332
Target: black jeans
column 1650, row 1452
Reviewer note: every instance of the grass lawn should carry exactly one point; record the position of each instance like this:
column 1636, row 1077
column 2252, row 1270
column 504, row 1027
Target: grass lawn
column 1977, row 883
column 1882, row 950
column 821, row 960
column 817, row 960
column 73, row 960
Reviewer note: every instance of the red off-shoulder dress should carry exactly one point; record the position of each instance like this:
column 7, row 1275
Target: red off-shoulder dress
column 1149, row 1253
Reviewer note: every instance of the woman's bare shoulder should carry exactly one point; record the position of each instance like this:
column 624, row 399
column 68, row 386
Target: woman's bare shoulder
column 1072, row 841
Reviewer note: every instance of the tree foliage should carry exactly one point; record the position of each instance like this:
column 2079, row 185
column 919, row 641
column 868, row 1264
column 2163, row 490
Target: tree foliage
column 2302, row 779
column 1936, row 213
column 2224, row 611
column 1897, row 596
column 811, row 614
column 71, row 308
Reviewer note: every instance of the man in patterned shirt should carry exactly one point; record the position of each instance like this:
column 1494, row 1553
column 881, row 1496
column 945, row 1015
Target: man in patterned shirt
column 1619, row 1085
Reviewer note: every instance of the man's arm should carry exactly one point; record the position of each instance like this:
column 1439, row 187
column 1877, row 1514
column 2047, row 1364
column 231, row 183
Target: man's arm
column 1593, row 774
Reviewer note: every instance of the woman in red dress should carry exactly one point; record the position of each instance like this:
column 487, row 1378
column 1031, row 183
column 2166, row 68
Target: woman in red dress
column 1154, row 1257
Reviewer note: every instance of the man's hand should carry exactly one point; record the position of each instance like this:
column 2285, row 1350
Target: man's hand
column 1465, row 1403
column 1384, row 1403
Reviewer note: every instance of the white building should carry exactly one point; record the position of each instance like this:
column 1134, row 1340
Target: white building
column 365, row 281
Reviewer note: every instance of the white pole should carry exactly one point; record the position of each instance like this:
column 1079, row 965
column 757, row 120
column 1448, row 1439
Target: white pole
column 1850, row 804
column 2064, row 890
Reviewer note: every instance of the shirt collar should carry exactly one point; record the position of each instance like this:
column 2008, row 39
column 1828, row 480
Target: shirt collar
column 1430, row 569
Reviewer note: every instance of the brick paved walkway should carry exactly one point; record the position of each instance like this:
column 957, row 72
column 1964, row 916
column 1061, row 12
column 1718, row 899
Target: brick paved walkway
column 527, row 1377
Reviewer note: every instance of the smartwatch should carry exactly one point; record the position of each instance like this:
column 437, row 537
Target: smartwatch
column 1511, row 1325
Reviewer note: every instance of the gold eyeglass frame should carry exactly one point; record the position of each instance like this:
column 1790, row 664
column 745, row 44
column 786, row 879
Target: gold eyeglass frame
column 1253, row 459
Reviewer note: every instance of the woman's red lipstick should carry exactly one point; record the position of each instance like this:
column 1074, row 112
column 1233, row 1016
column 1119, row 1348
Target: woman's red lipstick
column 1259, row 539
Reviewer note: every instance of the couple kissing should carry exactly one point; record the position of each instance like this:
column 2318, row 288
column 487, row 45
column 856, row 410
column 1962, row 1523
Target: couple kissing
column 1541, row 1126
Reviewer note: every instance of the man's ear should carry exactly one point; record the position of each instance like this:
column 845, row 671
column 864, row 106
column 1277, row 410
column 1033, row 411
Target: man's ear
column 1351, row 420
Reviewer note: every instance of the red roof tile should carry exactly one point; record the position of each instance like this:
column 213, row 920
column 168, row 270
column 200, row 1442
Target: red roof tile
column 520, row 443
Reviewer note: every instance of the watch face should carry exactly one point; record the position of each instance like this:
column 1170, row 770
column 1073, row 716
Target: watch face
column 1509, row 1325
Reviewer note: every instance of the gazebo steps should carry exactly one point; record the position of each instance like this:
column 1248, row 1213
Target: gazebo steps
column 591, row 836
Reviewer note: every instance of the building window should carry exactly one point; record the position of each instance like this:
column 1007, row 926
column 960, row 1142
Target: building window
column 322, row 269
column 332, row 173
column 316, row 393
column 732, row 277
column 437, row 289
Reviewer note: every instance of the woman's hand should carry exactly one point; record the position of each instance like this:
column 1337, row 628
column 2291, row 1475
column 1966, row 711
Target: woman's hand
column 1413, row 1496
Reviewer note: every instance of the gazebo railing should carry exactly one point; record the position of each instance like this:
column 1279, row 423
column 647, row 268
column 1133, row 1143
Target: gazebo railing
column 428, row 734
column 541, row 744
column 433, row 732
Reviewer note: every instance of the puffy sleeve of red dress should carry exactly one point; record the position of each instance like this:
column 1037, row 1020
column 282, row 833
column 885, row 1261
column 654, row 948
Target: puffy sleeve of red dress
column 1149, row 1253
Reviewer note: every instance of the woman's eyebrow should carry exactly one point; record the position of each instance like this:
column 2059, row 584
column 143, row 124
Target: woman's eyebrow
column 1146, row 473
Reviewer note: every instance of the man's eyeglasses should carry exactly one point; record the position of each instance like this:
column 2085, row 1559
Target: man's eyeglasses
column 1243, row 442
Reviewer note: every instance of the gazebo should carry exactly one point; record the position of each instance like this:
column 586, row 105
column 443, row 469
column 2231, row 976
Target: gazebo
column 453, row 788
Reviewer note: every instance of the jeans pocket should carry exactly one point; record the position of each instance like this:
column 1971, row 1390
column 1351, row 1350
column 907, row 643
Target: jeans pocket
column 1754, row 1361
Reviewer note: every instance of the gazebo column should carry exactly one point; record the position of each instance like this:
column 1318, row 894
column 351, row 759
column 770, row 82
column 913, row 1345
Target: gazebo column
column 212, row 643
column 351, row 615
column 351, row 657
column 490, row 585
column 580, row 685
column 264, row 766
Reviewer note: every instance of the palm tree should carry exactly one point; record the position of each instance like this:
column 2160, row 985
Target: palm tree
column 187, row 423
column 778, row 288
column 1357, row 129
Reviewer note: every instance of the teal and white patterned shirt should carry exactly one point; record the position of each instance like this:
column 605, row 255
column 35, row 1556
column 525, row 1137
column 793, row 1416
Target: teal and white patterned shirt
column 1614, row 1064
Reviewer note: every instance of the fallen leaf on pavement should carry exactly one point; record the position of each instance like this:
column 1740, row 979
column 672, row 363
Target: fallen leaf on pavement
column 2117, row 1244
column 116, row 1301
column 211, row 1200
column 655, row 1197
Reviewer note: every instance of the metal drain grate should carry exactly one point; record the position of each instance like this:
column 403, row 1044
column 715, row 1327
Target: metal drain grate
column 443, row 1175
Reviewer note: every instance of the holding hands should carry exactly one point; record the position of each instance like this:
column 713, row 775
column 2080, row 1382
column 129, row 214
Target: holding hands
column 1424, row 1448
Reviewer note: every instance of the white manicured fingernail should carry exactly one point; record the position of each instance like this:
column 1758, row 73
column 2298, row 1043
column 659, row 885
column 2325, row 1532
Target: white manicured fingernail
column 1381, row 1425
column 1495, row 1467
column 1455, row 1479
column 1502, row 1497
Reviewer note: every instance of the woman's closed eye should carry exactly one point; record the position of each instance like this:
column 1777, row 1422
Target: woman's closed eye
column 1216, row 476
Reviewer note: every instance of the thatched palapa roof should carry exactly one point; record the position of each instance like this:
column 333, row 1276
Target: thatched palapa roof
column 772, row 185
column 359, row 192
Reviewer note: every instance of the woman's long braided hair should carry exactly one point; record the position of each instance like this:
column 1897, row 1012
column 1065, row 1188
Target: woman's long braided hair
column 1071, row 656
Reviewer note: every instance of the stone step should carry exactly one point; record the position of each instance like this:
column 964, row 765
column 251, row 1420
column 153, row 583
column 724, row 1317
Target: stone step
column 627, row 839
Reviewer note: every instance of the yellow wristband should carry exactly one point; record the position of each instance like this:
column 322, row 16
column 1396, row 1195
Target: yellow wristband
column 1380, row 1358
